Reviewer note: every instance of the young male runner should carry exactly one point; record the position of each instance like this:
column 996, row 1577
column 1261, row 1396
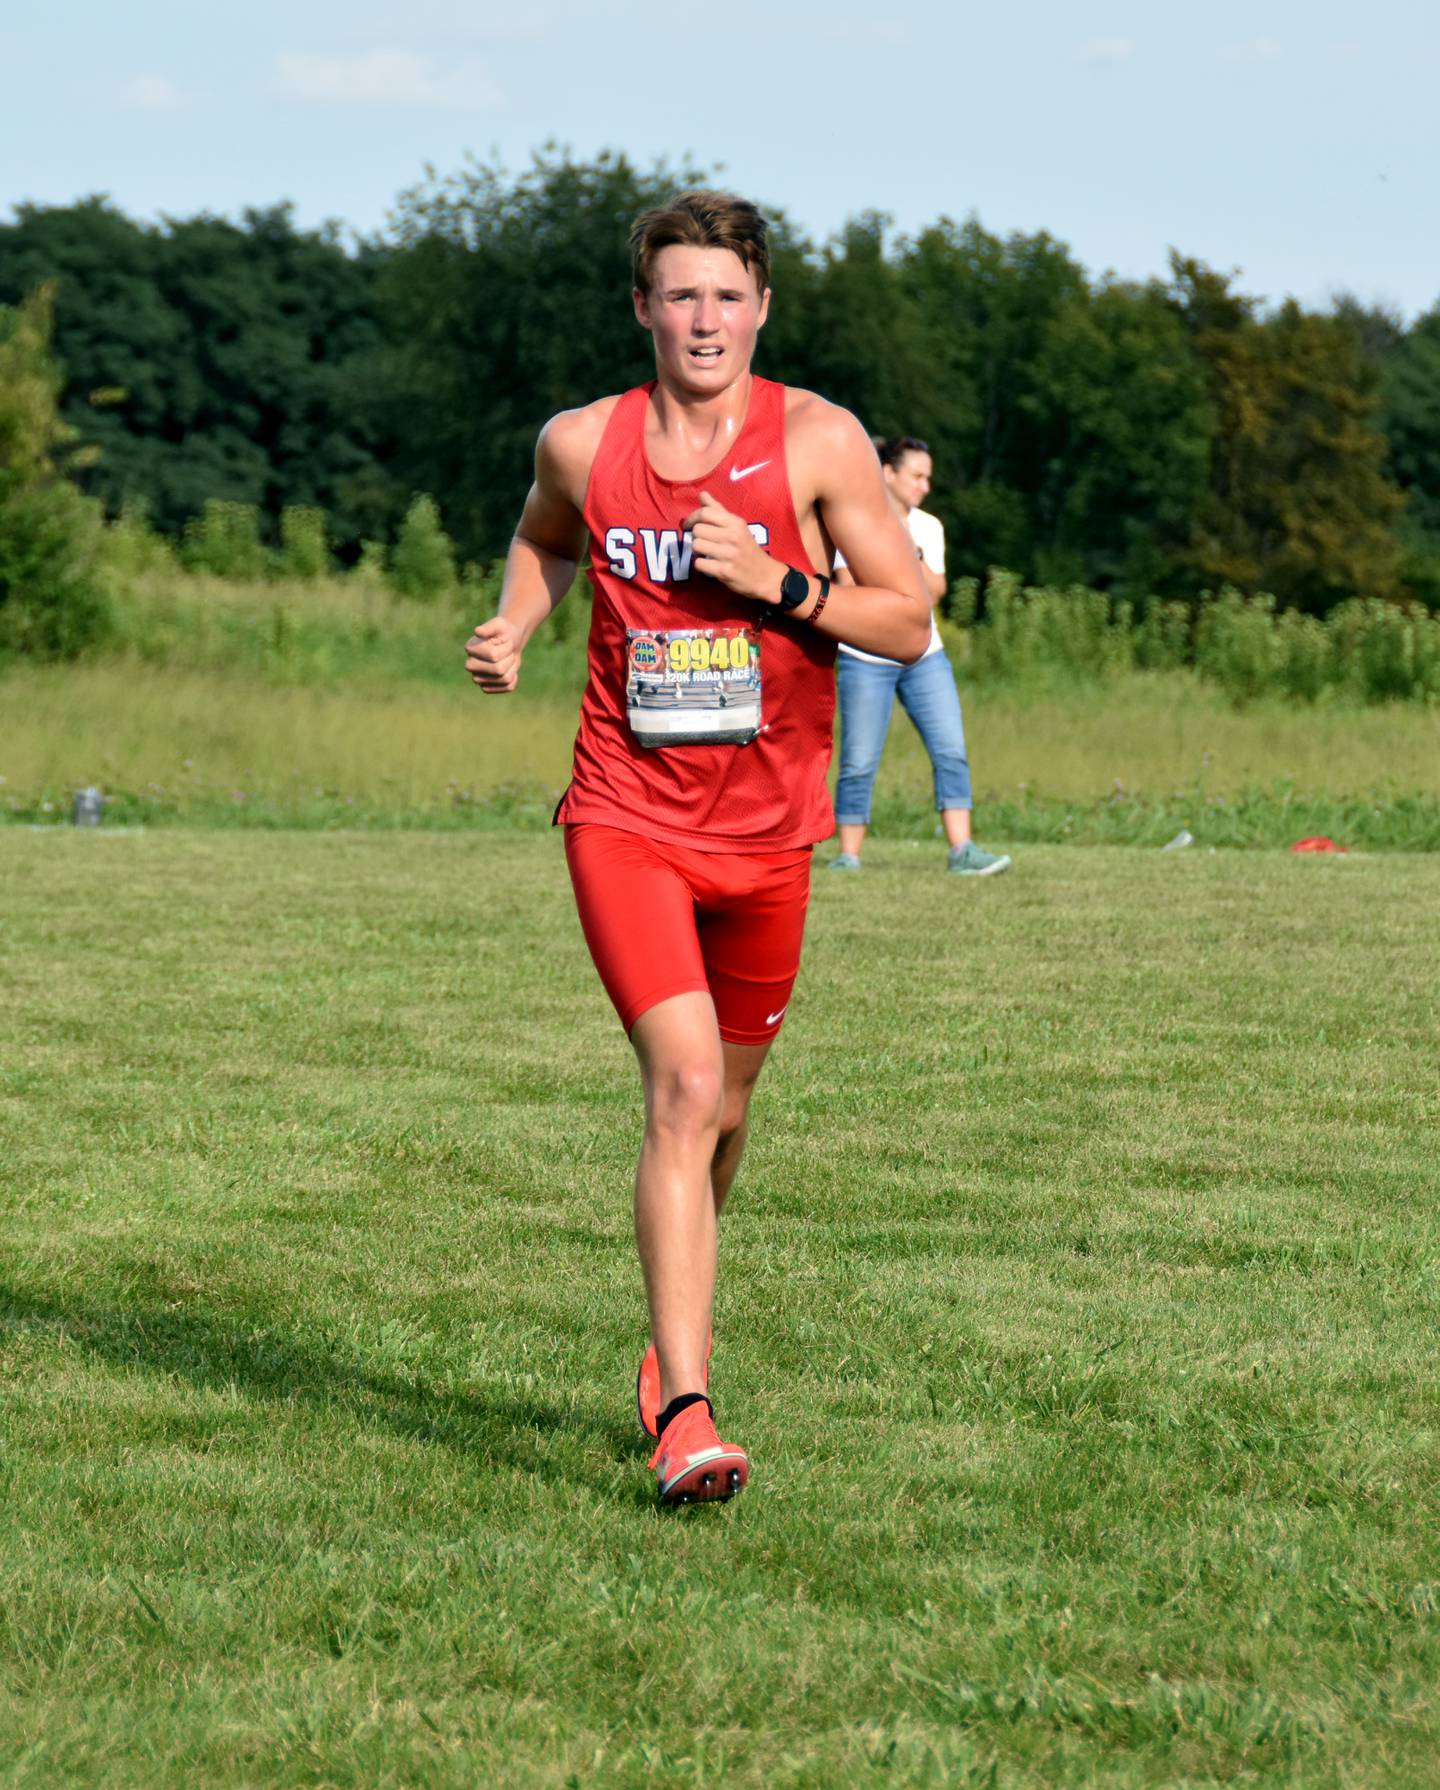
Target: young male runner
column 709, row 501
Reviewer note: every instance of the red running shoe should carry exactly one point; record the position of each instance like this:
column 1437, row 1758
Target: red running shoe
column 692, row 1464
column 647, row 1385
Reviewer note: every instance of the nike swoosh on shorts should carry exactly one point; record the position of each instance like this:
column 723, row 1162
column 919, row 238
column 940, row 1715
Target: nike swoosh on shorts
column 743, row 472
column 771, row 1018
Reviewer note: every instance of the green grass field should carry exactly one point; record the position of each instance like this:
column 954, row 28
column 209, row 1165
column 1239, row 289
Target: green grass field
column 1079, row 1309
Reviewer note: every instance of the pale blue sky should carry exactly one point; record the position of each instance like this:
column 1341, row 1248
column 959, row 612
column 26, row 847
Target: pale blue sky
column 1300, row 142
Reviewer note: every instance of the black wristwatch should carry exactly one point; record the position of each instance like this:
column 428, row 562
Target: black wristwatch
column 794, row 588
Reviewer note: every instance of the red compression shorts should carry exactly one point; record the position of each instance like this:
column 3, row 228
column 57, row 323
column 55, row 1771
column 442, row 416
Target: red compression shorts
column 664, row 919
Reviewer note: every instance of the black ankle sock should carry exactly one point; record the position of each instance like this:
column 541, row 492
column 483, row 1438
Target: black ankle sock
column 676, row 1406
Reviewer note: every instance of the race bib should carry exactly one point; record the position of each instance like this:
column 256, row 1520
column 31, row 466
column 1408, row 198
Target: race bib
column 692, row 686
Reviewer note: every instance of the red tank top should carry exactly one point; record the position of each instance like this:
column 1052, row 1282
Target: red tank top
column 767, row 795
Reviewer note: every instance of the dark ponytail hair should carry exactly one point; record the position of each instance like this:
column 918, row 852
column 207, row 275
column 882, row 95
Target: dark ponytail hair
column 892, row 449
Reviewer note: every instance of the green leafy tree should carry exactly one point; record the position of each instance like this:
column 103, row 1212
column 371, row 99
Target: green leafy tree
column 370, row 568
column 1123, row 400
column 304, row 549
column 423, row 563
column 1378, row 331
column 224, row 540
column 1410, row 414
column 1297, row 501
column 509, row 300
column 985, row 306
column 51, row 603
column 856, row 335
column 132, row 548
column 213, row 359
column 790, row 344
column 1125, row 436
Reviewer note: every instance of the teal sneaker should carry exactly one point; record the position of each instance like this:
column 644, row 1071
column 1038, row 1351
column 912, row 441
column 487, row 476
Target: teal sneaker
column 969, row 860
column 844, row 860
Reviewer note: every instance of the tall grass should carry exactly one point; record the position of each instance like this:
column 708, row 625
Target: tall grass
column 1363, row 652
column 286, row 632
column 1161, row 751
column 324, row 632
column 329, row 701
column 307, row 629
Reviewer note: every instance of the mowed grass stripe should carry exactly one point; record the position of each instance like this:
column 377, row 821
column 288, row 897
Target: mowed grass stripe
column 1079, row 1307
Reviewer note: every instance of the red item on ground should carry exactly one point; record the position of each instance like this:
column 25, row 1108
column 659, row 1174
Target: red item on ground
column 1319, row 843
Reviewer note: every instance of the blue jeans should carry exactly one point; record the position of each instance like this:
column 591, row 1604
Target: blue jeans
column 928, row 695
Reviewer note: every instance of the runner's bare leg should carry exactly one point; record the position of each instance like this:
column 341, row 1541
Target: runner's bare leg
column 682, row 1067
column 743, row 1063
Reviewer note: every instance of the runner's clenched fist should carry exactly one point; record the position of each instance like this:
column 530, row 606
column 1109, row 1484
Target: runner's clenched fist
column 492, row 656
column 726, row 550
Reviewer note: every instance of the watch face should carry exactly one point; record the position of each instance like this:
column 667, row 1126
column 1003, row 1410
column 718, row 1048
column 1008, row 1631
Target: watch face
column 794, row 588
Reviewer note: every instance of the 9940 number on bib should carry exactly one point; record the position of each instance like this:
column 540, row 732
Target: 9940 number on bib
column 692, row 686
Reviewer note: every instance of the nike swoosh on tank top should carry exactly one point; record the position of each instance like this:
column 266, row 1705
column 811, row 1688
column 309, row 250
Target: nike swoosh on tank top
column 770, row 794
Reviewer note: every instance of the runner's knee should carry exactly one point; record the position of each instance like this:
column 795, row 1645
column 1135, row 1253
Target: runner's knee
column 687, row 1096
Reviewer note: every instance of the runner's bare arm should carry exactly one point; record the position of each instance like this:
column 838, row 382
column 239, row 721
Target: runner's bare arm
column 884, row 604
column 934, row 581
column 833, row 462
column 544, row 553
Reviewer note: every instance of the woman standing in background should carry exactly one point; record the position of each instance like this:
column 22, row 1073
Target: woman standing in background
column 869, row 686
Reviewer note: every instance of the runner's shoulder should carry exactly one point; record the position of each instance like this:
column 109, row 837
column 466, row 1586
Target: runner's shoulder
column 820, row 433
column 569, row 441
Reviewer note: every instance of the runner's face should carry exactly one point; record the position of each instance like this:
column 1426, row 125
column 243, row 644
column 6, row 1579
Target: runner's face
column 910, row 480
column 704, row 311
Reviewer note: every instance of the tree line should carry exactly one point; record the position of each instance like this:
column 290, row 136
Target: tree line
column 1143, row 438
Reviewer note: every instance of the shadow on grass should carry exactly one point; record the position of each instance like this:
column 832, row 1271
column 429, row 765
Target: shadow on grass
column 566, row 1442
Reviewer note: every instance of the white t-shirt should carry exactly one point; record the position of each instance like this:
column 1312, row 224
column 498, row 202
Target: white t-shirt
column 928, row 534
